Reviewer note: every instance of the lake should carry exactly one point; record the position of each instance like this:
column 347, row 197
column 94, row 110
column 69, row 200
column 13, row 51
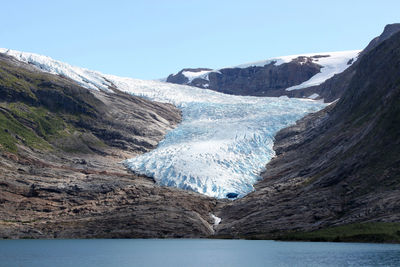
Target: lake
column 194, row 252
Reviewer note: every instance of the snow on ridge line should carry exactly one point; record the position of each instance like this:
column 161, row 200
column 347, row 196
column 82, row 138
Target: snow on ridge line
column 286, row 59
column 87, row 78
column 334, row 63
column 166, row 92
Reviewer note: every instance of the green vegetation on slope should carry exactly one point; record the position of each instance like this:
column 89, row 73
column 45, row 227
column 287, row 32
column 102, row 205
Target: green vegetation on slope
column 41, row 110
column 37, row 127
column 13, row 131
column 357, row 232
column 19, row 83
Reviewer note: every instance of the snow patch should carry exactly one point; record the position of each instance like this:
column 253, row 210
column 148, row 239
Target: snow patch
column 313, row 96
column 217, row 220
column 191, row 75
column 336, row 63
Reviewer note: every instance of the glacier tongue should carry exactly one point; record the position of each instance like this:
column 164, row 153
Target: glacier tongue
column 223, row 142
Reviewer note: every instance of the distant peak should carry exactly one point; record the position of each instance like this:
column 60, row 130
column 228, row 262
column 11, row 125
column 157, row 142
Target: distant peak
column 388, row 31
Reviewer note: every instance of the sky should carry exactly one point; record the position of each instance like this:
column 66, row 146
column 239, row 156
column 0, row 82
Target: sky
column 152, row 39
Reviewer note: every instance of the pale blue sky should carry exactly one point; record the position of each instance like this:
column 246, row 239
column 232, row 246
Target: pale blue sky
column 151, row 39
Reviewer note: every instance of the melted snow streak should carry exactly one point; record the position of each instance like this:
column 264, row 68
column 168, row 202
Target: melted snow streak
column 223, row 142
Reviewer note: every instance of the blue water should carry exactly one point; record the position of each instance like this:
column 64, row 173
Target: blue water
column 193, row 252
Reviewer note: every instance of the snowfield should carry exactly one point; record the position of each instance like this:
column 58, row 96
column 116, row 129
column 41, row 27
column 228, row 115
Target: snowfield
column 86, row 78
column 198, row 74
column 331, row 62
column 223, row 142
column 336, row 63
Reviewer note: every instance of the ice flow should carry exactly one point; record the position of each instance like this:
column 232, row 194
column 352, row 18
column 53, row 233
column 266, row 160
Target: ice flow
column 223, row 142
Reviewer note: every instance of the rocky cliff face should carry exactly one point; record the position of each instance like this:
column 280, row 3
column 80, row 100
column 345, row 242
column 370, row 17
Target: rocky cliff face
column 339, row 166
column 333, row 88
column 268, row 80
column 60, row 151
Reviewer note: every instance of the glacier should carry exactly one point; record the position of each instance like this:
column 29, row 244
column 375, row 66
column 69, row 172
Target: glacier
column 223, row 142
column 221, row 148
column 221, row 145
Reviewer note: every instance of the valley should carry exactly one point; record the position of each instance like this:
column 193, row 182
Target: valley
column 92, row 155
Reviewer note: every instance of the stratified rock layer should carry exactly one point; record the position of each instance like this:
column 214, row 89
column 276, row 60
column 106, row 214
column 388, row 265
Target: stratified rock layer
column 338, row 166
column 60, row 176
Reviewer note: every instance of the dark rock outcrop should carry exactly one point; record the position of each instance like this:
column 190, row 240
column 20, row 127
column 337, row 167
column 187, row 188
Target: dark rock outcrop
column 333, row 88
column 388, row 32
column 338, row 166
column 268, row 80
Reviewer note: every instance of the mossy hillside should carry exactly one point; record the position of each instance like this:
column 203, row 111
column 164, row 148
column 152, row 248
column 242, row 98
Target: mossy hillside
column 44, row 122
column 42, row 110
column 10, row 80
column 37, row 127
column 21, row 82
column 13, row 132
column 357, row 232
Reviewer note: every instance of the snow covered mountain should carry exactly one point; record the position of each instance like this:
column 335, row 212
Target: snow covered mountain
column 271, row 77
column 223, row 142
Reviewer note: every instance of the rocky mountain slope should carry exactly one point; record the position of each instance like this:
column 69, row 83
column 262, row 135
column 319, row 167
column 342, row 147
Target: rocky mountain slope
column 339, row 166
column 60, row 176
column 274, row 77
column 333, row 88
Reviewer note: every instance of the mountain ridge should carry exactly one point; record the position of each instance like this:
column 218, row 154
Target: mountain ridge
column 271, row 77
